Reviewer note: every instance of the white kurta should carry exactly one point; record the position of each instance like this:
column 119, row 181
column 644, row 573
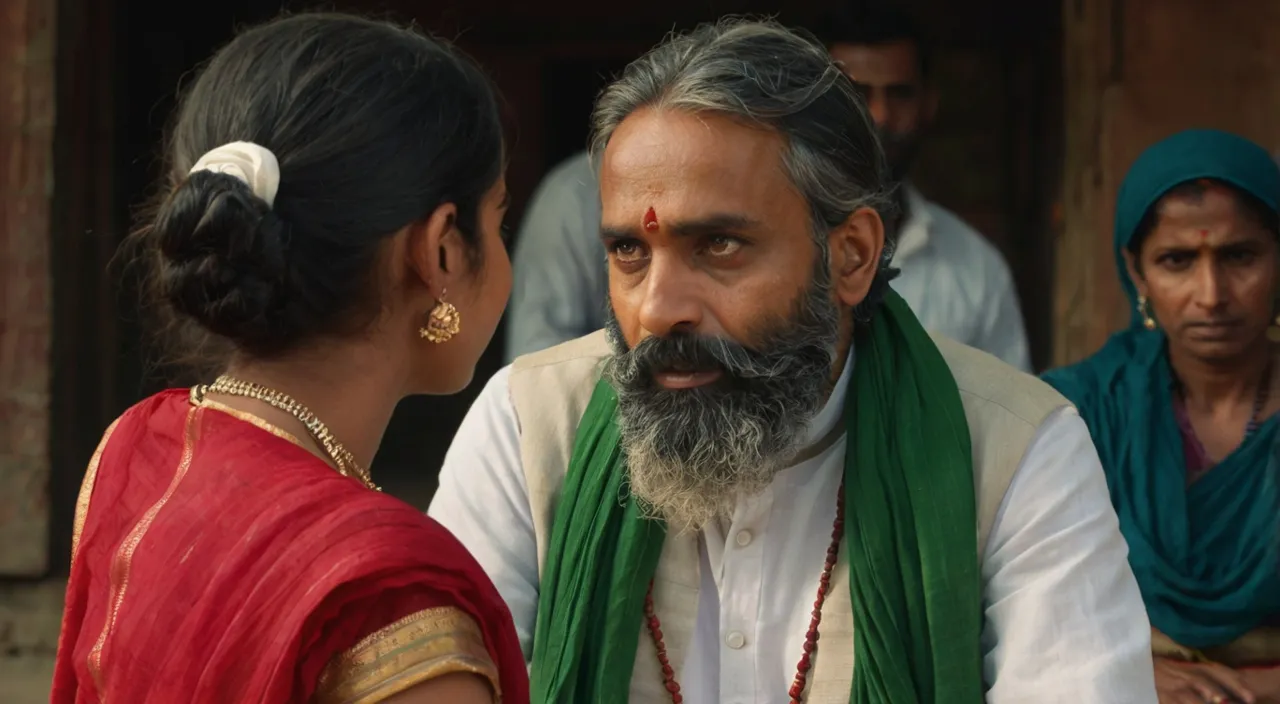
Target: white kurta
column 1064, row 619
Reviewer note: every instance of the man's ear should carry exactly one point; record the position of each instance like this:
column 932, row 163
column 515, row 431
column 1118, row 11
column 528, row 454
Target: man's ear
column 855, row 246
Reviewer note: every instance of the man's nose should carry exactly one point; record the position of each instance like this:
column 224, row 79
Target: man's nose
column 671, row 303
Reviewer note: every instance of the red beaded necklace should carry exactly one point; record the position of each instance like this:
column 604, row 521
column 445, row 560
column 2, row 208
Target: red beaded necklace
column 810, row 638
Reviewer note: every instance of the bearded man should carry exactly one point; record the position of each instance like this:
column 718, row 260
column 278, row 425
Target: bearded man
column 764, row 420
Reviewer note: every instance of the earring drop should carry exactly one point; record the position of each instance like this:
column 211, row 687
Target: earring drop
column 1147, row 321
column 443, row 322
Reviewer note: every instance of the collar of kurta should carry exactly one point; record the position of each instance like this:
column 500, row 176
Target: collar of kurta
column 913, row 233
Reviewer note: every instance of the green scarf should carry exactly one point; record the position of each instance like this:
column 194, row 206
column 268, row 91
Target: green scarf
column 910, row 536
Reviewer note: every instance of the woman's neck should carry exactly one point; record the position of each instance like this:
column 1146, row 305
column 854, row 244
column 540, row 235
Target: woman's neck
column 1214, row 384
column 353, row 390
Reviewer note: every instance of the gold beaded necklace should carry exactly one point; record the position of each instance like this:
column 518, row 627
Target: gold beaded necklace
column 341, row 456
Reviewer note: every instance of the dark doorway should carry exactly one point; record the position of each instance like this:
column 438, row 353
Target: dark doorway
column 569, row 88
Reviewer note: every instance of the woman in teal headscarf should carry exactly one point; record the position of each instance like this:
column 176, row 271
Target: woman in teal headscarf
column 1181, row 407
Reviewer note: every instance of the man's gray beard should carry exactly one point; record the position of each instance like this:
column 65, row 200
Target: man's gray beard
column 693, row 453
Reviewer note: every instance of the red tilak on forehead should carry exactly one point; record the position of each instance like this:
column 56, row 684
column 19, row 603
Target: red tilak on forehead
column 1204, row 234
column 650, row 220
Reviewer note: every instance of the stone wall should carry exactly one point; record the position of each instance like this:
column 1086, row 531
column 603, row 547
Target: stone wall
column 29, row 610
column 26, row 185
column 29, row 621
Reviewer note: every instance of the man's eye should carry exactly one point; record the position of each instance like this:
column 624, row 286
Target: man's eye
column 723, row 246
column 626, row 251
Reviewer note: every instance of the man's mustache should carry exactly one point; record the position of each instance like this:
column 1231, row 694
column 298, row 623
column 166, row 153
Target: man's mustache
column 688, row 352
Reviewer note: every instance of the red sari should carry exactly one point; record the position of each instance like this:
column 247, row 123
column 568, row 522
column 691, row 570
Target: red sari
column 215, row 560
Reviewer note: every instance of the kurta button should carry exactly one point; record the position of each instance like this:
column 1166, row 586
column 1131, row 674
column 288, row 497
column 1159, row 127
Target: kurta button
column 743, row 538
column 735, row 640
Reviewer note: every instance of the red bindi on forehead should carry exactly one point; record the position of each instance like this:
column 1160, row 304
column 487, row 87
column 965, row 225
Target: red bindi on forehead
column 650, row 221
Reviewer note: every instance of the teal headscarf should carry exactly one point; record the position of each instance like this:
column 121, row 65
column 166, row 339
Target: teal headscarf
column 1207, row 557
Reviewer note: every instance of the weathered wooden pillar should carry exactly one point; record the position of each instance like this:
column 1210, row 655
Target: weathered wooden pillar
column 1084, row 285
column 27, row 38
column 1137, row 71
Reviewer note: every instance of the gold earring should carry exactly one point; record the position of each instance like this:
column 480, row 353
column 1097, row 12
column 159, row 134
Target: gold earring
column 443, row 322
column 1147, row 321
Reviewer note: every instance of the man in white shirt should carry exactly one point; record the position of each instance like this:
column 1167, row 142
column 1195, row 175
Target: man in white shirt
column 954, row 278
column 764, row 420
column 957, row 283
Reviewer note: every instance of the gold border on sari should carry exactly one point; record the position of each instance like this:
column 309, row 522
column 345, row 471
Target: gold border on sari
column 251, row 419
column 86, row 491
column 122, row 563
column 413, row 650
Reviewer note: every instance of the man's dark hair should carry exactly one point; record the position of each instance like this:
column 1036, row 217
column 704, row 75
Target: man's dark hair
column 763, row 74
column 874, row 23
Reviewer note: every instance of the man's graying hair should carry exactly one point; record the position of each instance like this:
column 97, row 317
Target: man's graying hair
column 764, row 74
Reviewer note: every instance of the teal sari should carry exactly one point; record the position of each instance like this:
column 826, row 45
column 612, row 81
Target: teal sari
column 1206, row 556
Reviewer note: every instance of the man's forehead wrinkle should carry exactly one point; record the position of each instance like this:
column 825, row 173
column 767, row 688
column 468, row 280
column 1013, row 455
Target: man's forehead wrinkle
column 648, row 160
column 634, row 186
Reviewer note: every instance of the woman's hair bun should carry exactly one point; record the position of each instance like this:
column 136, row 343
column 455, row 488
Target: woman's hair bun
column 224, row 261
column 301, row 150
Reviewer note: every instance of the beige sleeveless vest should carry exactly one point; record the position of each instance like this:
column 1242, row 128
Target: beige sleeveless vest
column 550, row 391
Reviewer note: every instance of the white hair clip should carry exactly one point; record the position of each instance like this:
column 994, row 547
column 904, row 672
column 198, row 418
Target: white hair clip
column 253, row 164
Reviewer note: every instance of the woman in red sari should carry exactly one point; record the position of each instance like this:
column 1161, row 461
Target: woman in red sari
column 331, row 178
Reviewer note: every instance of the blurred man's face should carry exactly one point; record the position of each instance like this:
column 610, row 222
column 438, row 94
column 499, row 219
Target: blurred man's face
column 900, row 102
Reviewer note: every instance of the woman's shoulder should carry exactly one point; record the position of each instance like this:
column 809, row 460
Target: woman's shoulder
column 362, row 528
column 264, row 485
column 389, row 526
column 157, row 409
column 281, row 491
column 1126, row 355
column 414, row 596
